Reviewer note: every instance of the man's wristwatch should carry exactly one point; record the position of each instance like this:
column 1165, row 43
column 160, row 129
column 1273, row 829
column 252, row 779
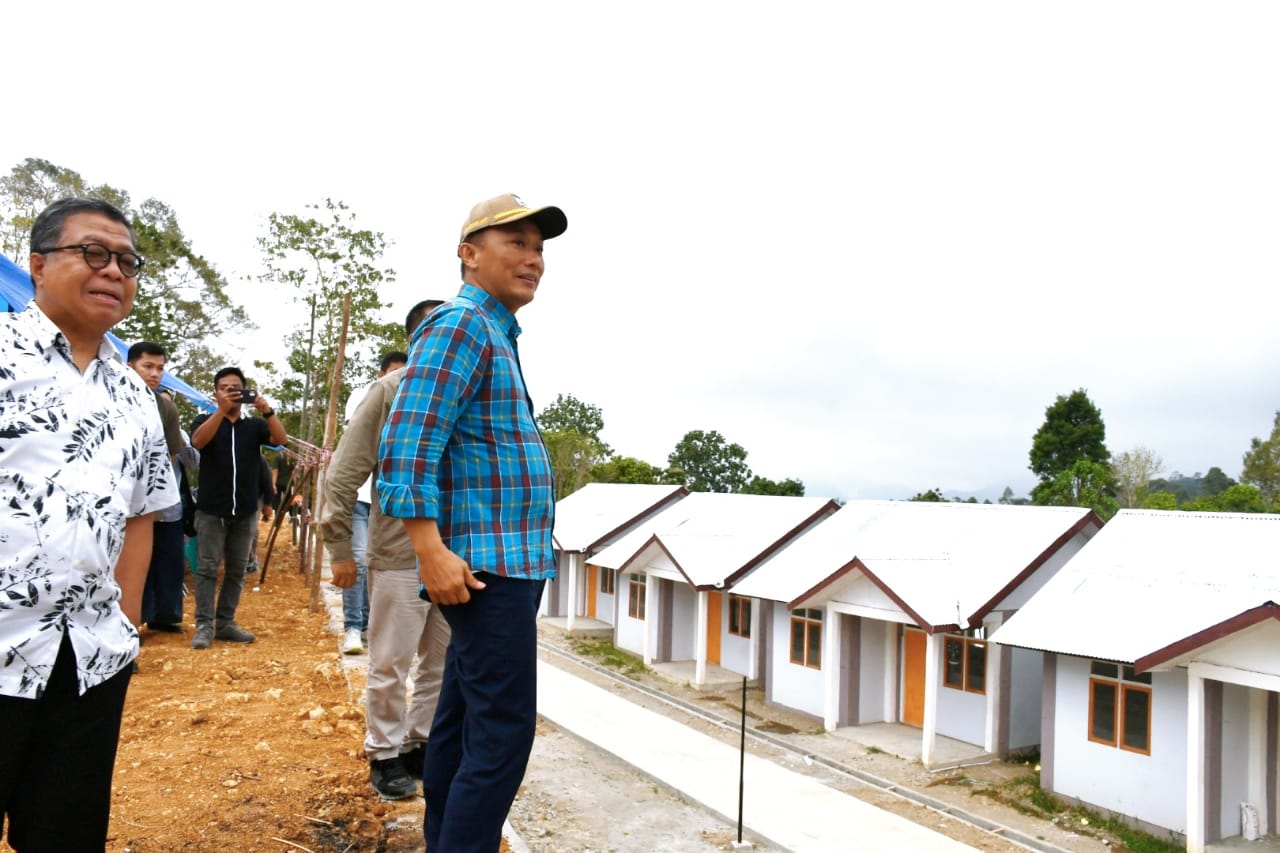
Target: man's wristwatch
column 269, row 413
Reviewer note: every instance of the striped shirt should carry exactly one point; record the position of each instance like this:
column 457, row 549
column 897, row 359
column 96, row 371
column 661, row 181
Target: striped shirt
column 461, row 446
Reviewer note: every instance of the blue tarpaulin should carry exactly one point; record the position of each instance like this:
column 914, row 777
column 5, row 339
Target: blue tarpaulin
column 16, row 291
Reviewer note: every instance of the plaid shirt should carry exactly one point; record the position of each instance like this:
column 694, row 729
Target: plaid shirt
column 461, row 445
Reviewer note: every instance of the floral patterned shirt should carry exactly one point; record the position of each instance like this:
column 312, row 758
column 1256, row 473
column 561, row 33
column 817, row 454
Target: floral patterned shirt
column 79, row 454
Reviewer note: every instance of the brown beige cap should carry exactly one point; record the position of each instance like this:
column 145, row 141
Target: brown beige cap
column 509, row 208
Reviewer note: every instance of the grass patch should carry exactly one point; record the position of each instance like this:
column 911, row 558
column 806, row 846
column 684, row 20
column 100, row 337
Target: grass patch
column 607, row 654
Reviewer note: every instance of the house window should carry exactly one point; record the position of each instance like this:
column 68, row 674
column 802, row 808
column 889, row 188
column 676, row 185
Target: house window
column 606, row 581
column 965, row 664
column 806, row 637
column 1120, row 707
column 635, row 596
column 739, row 616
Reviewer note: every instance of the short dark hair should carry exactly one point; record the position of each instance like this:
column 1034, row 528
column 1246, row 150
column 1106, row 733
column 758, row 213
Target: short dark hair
column 393, row 357
column 46, row 231
column 142, row 348
column 414, row 318
column 228, row 371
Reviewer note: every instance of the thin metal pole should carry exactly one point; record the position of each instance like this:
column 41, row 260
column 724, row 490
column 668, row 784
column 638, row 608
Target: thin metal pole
column 742, row 756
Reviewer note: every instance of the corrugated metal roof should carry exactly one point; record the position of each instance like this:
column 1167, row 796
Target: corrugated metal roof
column 711, row 536
column 598, row 510
column 1150, row 579
column 942, row 561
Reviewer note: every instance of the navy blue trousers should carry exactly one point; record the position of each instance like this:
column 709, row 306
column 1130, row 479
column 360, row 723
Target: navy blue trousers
column 59, row 754
column 162, row 592
column 483, row 729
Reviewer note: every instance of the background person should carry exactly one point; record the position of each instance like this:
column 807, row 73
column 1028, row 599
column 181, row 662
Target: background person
column 400, row 622
column 230, row 446
column 463, row 463
column 162, row 594
column 355, row 598
column 83, row 469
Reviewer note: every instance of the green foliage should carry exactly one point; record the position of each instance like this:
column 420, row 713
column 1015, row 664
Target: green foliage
column 706, row 462
column 932, row 496
column 610, row 655
column 182, row 302
column 1073, row 429
column 1085, row 483
column 626, row 469
column 764, row 486
column 1160, row 500
column 1262, row 464
column 325, row 257
column 571, row 431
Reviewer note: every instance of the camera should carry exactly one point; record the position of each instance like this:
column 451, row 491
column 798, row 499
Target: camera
column 247, row 396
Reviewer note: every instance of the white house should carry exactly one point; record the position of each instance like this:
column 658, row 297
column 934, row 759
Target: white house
column 1162, row 671
column 587, row 521
column 881, row 614
column 674, row 569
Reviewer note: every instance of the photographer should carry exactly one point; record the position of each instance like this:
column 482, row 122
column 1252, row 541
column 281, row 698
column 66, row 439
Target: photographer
column 230, row 446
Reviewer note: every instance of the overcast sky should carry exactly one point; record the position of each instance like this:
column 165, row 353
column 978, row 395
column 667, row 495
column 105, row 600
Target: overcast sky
column 871, row 243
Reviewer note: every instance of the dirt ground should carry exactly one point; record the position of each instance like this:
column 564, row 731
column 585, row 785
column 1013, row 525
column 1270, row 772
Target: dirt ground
column 259, row 748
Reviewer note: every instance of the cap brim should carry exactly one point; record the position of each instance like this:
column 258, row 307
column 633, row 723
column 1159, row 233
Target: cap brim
column 551, row 221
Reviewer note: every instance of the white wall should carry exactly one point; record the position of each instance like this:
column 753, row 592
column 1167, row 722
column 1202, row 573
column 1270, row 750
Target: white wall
column 871, row 671
column 606, row 605
column 684, row 620
column 1025, row 590
column 1026, row 679
column 793, row 685
column 1235, row 757
column 1149, row 787
column 1253, row 649
column 735, row 651
column 961, row 714
column 628, row 633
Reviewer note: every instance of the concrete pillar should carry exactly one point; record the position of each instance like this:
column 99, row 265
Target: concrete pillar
column 995, row 686
column 892, row 675
column 700, row 640
column 571, row 592
column 1257, row 770
column 1196, row 830
column 830, row 670
column 650, row 617
column 929, row 734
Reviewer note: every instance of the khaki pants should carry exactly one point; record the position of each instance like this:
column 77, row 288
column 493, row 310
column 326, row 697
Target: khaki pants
column 400, row 624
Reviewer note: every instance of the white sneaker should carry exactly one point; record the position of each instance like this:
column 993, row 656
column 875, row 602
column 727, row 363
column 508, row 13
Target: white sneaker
column 351, row 644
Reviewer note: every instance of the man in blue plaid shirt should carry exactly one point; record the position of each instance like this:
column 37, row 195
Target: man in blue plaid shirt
column 463, row 463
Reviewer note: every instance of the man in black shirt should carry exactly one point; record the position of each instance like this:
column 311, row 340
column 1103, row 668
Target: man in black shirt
column 230, row 446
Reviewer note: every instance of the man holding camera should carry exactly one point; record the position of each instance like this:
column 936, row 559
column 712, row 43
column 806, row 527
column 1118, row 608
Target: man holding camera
column 230, row 444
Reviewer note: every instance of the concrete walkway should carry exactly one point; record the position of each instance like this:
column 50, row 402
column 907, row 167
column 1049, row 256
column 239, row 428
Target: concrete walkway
column 781, row 806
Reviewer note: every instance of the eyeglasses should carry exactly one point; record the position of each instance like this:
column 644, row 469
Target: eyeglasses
column 98, row 257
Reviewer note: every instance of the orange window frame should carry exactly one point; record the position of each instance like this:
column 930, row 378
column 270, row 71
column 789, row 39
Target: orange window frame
column 810, row 652
column 635, row 596
column 739, row 615
column 967, row 645
column 1121, row 689
column 607, row 580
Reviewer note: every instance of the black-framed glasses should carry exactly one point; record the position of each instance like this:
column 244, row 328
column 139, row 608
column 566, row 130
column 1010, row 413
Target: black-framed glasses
column 98, row 256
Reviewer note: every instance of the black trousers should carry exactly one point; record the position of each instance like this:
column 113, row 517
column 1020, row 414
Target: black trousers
column 59, row 752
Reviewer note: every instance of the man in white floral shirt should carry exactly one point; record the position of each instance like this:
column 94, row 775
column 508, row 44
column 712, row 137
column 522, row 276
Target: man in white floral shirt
column 83, row 465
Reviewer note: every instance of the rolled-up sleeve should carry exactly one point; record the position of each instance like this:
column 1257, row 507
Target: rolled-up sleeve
column 446, row 364
column 354, row 460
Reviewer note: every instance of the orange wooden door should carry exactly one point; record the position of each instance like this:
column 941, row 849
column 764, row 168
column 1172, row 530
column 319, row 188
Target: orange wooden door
column 913, row 643
column 715, row 601
column 592, row 589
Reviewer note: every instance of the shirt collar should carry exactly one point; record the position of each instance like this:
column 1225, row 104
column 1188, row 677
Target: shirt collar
column 484, row 301
column 47, row 335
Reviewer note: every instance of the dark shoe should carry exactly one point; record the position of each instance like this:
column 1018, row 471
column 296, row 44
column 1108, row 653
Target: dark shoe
column 166, row 627
column 134, row 666
column 389, row 779
column 413, row 760
column 233, row 633
column 203, row 638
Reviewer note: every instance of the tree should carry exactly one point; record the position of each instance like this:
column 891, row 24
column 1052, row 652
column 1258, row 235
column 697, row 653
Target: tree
column 182, row 302
column 626, row 469
column 1085, row 483
column 1262, row 464
column 1133, row 471
column 1073, row 430
column 1241, row 498
column 932, row 496
column 1216, row 482
column 571, row 430
column 764, row 486
column 706, row 462
column 1160, row 500
column 325, row 257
